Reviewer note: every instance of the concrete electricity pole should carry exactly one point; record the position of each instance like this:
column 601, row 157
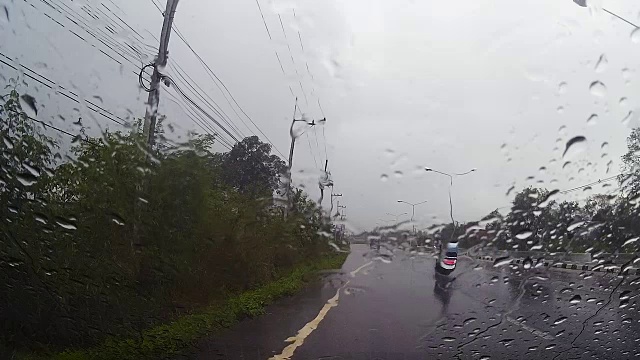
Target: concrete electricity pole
column 160, row 62
column 332, row 196
column 149, row 126
column 292, row 147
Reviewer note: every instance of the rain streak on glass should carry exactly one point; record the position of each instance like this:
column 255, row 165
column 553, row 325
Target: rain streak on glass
column 326, row 179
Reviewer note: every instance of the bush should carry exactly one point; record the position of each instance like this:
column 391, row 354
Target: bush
column 106, row 241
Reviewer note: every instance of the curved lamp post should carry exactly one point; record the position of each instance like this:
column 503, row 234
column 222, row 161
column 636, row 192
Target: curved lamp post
column 413, row 210
column 428, row 169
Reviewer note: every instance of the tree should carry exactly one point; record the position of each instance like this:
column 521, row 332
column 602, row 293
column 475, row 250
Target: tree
column 251, row 169
column 630, row 183
column 72, row 273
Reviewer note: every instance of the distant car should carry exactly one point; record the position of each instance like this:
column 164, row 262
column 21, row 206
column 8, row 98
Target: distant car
column 447, row 261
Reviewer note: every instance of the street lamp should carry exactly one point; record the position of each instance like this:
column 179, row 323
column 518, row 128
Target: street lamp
column 428, row 169
column 413, row 210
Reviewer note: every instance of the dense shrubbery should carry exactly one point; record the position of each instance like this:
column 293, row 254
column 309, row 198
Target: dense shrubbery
column 105, row 240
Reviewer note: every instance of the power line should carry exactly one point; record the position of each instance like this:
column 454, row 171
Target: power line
column 136, row 52
column 204, row 113
column 324, row 141
column 157, row 7
column 578, row 187
column 592, row 183
column 102, row 41
column 201, row 109
column 280, row 62
column 45, row 124
column 263, row 20
column 140, row 37
column 53, row 86
column 287, row 41
column 198, row 120
column 213, row 75
column 76, row 18
column 320, row 106
column 211, row 107
column 218, row 109
column 309, row 71
column 295, row 67
column 312, row 152
column 315, row 134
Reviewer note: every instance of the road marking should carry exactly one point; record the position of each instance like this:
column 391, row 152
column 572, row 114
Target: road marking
column 307, row 329
column 298, row 340
column 354, row 272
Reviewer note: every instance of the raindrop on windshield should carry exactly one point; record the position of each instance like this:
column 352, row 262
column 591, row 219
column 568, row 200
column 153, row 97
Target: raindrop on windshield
column 635, row 36
column 26, row 179
column 384, row 177
column 32, row 169
column 524, row 234
column 7, row 142
column 117, row 220
column 562, row 88
column 625, row 295
column 602, row 63
column 560, row 320
column 66, row 223
column 501, row 261
column 468, row 321
column 575, row 145
column 597, row 88
column 592, row 120
column 527, row 263
column 28, row 105
column 575, row 299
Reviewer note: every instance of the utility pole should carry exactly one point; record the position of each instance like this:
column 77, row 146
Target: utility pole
column 332, row 196
column 324, row 181
column 151, row 112
column 292, row 147
column 160, row 62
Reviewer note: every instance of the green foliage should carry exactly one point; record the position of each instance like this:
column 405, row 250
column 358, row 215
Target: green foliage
column 165, row 340
column 603, row 223
column 109, row 240
column 251, row 170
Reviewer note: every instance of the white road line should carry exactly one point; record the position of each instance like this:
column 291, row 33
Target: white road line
column 354, row 272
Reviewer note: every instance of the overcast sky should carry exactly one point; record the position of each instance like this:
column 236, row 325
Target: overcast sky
column 497, row 85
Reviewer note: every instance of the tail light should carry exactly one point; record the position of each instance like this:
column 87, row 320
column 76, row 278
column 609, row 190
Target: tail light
column 449, row 261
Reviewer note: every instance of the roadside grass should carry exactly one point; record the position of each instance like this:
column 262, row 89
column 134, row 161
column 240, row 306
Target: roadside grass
column 167, row 340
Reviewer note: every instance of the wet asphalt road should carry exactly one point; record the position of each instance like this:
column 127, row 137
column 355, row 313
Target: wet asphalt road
column 397, row 308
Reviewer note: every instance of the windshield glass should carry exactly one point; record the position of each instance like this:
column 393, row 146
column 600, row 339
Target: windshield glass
column 271, row 179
